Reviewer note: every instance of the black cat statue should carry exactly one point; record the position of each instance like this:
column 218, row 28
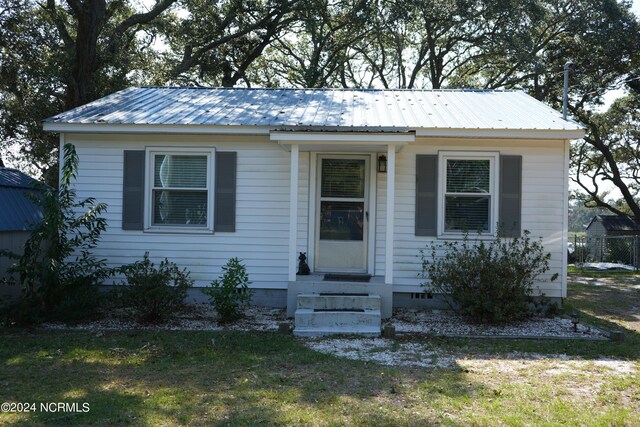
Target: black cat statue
column 303, row 268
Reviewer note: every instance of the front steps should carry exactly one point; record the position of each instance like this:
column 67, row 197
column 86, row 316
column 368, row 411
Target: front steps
column 337, row 313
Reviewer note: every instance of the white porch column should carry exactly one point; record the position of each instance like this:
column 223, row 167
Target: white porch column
column 293, row 212
column 391, row 197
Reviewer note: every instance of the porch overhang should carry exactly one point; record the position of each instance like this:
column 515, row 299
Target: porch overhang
column 342, row 141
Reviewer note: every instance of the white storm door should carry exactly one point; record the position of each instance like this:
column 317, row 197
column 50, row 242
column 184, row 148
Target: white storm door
column 342, row 213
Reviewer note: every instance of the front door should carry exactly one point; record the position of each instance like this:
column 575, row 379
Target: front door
column 342, row 218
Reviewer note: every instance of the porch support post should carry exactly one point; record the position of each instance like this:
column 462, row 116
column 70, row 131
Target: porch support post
column 293, row 211
column 391, row 196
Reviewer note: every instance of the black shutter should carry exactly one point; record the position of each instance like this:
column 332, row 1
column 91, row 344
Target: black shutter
column 133, row 190
column 426, row 195
column 510, row 196
column 225, row 196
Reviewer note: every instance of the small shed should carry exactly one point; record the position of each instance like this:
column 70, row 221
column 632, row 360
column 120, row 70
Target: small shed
column 18, row 212
column 613, row 225
column 614, row 238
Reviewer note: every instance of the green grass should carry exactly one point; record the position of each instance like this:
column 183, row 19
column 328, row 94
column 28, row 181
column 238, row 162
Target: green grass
column 235, row 378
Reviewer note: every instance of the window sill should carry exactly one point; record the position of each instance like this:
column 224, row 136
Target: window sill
column 486, row 236
column 177, row 230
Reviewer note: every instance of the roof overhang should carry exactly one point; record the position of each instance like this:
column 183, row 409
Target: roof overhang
column 342, row 141
column 153, row 128
column 304, row 136
column 502, row 133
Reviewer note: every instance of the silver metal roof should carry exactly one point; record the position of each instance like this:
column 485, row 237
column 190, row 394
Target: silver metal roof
column 325, row 109
column 18, row 212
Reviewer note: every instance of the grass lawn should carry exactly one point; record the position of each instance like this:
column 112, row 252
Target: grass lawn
column 236, row 378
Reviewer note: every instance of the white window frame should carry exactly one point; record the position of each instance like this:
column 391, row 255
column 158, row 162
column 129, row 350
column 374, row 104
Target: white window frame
column 150, row 153
column 494, row 173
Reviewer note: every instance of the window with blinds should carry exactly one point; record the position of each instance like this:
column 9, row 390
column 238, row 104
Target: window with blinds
column 180, row 191
column 468, row 195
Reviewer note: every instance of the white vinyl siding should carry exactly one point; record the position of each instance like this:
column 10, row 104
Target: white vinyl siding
column 262, row 215
column 543, row 199
column 262, row 209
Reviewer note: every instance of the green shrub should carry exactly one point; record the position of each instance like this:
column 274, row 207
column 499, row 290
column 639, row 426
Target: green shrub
column 56, row 270
column 488, row 281
column 231, row 293
column 154, row 294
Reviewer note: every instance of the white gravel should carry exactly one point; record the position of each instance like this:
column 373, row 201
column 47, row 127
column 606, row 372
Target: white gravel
column 430, row 322
column 199, row 317
column 450, row 324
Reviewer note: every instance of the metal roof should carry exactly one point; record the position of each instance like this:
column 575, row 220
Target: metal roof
column 373, row 110
column 18, row 212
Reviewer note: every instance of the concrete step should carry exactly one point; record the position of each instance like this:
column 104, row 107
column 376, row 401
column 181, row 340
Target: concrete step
column 311, row 322
column 367, row 331
column 338, row 301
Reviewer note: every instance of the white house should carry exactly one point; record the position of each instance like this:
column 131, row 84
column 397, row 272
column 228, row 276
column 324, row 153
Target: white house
column 201, row 175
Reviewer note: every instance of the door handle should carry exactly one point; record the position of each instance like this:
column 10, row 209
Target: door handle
column 367, row 215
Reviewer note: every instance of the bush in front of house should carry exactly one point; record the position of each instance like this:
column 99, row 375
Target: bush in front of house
column 154, row 293
column 57, row 272
column 231, row 292
column 487, row 281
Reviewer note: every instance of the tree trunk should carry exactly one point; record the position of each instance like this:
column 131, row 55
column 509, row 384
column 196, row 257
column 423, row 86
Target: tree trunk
column 90, row 16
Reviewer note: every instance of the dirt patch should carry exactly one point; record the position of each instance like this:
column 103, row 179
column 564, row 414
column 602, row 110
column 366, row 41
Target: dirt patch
column 383, row 351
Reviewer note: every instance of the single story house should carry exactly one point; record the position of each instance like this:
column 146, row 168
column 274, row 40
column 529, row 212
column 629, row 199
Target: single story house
column 18, row 213
column 358, row 179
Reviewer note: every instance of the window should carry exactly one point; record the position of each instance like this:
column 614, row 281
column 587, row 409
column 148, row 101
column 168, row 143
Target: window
column 468, row 196
column 180, row 194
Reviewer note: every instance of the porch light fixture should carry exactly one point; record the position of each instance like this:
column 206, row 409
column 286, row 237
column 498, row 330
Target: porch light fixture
column 382, row 163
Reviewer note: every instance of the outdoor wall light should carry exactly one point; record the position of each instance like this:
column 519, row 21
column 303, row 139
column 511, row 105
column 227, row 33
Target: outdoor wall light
column 382, row 164
column 575, row 319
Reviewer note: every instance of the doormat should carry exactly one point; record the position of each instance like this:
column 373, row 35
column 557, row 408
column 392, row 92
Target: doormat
column 347, row 278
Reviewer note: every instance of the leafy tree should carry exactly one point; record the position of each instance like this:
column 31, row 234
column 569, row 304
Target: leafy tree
column 219, row 41
column 57, row 270
column 581, row 215
column 316, row 51
column 611, row 153
column 602, row 38
column 30, row 84
column 57, row 55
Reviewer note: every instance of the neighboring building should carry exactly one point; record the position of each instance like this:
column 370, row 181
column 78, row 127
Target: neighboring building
column 18, row 212
column 613, row 225
column 609, row 239
column 201, row 175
